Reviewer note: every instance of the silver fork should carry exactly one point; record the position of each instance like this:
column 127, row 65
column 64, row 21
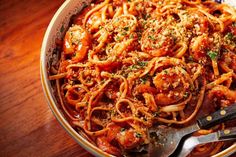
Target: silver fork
column 164, row 140
column 222, row 135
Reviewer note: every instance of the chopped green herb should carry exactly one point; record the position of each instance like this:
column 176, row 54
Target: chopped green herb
column 154, row 46
column 185, row 94
column 155, row 114
column 122, row 129
column 165, row 71
column 138, row 135
column 190, row 58
column 212, row 54
column 123, row 33
column 100, row 27
column 117, row 38
column 134, row 67
column 143, row 80
column 126, row 28
column 147, row 16
column 142, row 63
column 131, row 36
column 151, row 37
column 144, row 23
column 139, row 36
column 229, row 36
column 112, row 112
column 71, row 33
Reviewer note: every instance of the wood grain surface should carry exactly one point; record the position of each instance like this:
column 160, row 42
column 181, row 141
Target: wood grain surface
column 27, row 126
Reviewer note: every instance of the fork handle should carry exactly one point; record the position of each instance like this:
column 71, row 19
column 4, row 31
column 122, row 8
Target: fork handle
column 217, row 117
column 229, row 133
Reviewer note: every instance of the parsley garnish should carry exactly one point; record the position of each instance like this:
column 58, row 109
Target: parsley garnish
column 139, row 36
column 229, row 36
column 142, row 63
column 131, row 36
column 155, row 114
column 112, row 112
column 147, row 16
column 190, row 58
column 123, row 33
column 134, row 67
column 185, row 95
column 138, row 135
column 122, row 129
column 165, row 71
column 151, row 37
column 100, row 27
column 117, row 38
column 126, row 28
column 143, row 80
column 212, row 54
column 144, row 23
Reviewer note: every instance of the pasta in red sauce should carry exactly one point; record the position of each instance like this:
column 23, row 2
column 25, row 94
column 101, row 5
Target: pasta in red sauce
column 128, row 65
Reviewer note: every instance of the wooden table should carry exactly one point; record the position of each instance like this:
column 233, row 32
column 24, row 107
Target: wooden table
column 27, row 126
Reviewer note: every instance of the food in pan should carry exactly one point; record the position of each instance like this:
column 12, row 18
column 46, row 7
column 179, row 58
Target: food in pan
column 127, row 65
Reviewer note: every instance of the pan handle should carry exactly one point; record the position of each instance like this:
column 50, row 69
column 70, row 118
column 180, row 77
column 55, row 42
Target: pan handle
column 229, row 133
column 218, row 117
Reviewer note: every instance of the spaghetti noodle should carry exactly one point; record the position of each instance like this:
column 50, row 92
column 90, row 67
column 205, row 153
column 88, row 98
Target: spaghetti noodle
column 127, row 65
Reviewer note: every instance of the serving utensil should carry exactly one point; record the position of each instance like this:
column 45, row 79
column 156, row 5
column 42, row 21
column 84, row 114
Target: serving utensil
column 164, row 140
column 221, row 135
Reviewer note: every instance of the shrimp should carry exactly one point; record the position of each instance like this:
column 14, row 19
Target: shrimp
column 125, row 137
column 220, row 92
column 94, row 22
column 144, row 88
column 198, row 47
column 128, row 138
column 201, row 45
column 171, row 88
column 229, row 59
column 157, row 41
column 77, row 43
column 104, row 145
column 195, row 21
